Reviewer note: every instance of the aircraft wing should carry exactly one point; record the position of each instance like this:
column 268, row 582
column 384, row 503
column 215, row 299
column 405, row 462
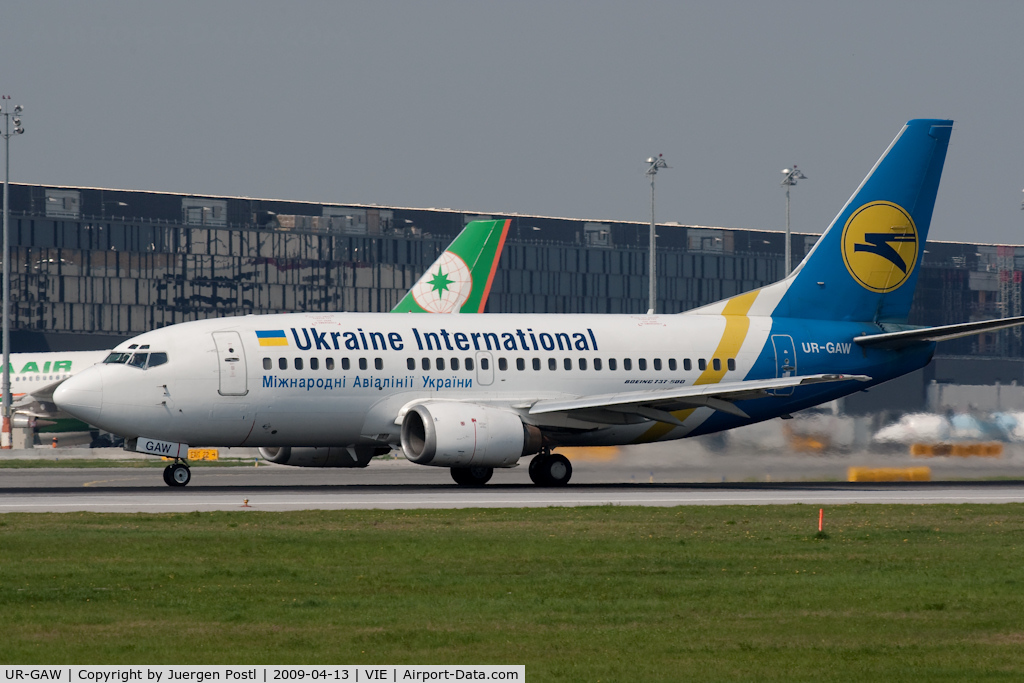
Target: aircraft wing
column 657, row 404
column 896, row 340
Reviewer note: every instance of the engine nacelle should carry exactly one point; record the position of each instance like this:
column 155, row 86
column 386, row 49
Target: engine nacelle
column 453, row 434
column 323, row 456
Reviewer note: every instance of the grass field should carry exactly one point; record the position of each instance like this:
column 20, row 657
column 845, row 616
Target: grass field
column 912, row 593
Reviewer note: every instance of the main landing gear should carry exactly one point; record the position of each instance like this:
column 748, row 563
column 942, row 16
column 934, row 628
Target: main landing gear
column 472, row 476
column 550, row 469
column 177, row 474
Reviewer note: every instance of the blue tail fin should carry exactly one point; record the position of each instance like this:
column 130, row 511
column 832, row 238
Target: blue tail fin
column 865, row 266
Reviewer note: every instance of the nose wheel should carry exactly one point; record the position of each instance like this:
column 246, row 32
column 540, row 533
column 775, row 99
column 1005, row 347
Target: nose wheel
column 177, row 474
column 550, row 469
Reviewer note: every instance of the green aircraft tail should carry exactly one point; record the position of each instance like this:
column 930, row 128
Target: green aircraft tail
column 460, row 279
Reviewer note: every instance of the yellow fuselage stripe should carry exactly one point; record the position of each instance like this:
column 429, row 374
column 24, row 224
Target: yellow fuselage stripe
column 737, row 324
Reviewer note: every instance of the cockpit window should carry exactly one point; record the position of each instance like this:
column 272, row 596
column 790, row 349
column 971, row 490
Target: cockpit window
column 117, row 357
column 158, row 358
column 139, row 360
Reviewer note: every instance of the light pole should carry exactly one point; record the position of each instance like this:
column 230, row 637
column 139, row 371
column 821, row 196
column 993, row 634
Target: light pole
column 792, row 175
column 654, row 163
column 5, row 437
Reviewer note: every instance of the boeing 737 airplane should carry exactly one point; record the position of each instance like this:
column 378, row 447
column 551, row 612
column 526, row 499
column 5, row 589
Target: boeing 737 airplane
column 478, row 392
column 459, row 281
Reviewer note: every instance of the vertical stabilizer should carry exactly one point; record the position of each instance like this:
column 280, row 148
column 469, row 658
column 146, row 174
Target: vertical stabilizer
column 459, row 281
column 865, row 266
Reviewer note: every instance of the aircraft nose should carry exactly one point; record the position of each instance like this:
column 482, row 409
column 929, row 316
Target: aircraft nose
column 81, row 396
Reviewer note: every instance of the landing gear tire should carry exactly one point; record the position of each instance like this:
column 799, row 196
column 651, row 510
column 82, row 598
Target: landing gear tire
column 550, row 469
column 472, row 476
column 177, row 474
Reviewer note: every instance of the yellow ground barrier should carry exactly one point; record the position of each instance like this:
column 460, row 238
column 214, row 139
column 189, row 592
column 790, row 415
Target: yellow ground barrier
column 992, row 449
column 590, row 453
column 889, row 474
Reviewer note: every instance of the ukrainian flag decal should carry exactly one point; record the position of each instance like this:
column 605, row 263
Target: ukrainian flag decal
column 271, row 337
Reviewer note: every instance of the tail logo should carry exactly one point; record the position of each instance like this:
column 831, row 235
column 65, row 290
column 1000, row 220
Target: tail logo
column 880, row 246
column 445, row 287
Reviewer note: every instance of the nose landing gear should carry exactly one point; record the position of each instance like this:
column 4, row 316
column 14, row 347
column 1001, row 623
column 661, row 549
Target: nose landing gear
column 550, row 469
column 177, row 474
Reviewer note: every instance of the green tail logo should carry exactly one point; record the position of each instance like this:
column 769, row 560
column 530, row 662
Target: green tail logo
column 460, row 280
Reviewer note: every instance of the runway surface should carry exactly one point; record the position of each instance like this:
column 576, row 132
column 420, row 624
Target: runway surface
column 401, row 485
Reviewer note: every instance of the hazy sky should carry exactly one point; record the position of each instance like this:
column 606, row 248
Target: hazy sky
column 530, row 107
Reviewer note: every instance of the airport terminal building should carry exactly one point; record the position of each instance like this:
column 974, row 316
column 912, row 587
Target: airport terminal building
column 93, row 266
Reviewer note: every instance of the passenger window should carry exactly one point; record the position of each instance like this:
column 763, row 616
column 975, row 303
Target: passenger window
column 469, row 363
column 267, row 364
column 716, row 363
column 702, row 364
column 159, row 358
column 536, row 363
column 503, row 364
column 455, row 363
column 378, row 363
column 627, row 364
column 298, row 363
column 731, row 363
column 484, row 364
column 641, row 364
column 329, row 363
column 139, row 360
column 439, row 364
column 345, row 365
column 672, row 364
column 520, row 364
column 282, row 363
column 552, row 364
column 410, row 363
column 687, row 365
column 314, row 363
column 612, row 364
column 425, row 363
column 362, row 363
column 657, row 364
column 583, row 363
column 597, row 363
column 567, row 363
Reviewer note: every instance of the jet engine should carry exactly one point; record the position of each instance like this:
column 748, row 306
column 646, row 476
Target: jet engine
column 452, row 434
column 324, row 456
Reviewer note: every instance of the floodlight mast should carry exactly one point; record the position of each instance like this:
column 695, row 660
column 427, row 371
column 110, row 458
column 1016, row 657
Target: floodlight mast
column 5, row 435
column 792, row 175
column 654, row 163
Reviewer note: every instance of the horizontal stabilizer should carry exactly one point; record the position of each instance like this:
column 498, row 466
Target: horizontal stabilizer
column 903, row 338
column 657, row 404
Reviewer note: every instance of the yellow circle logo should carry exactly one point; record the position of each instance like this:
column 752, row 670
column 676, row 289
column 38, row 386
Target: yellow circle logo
column 880, row 246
